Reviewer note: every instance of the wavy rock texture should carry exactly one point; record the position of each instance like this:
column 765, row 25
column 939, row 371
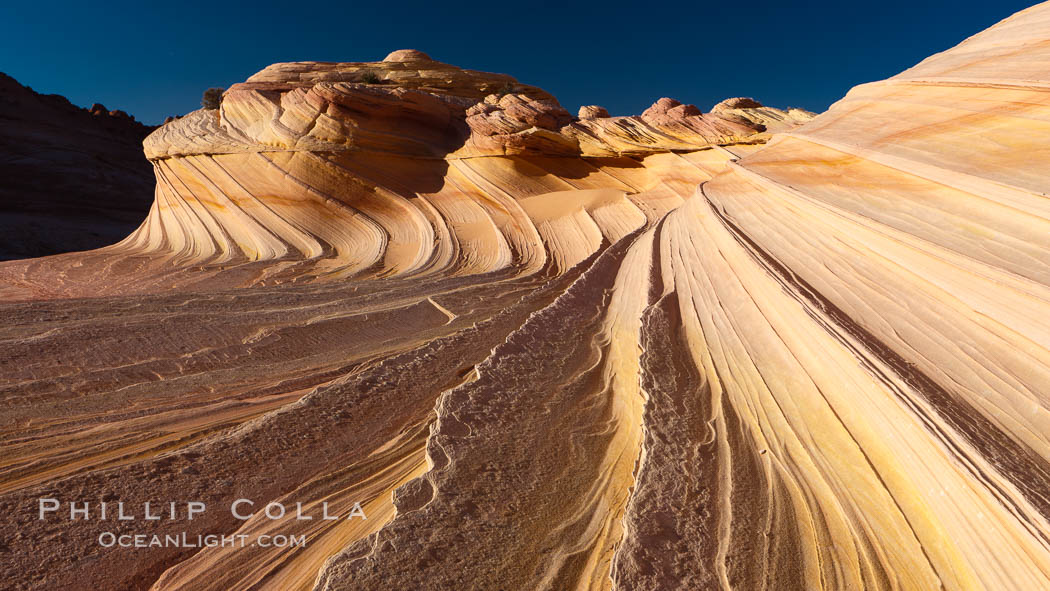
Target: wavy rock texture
column 555, row 353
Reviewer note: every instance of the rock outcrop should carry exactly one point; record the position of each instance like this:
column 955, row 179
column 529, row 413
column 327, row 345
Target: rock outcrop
column 342, row 168
column 73, row 179
column 593, row 112
column 681, row 350
column 750, row 111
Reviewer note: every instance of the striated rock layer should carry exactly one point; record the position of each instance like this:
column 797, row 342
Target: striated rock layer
column 406, row 167
column 547, row 352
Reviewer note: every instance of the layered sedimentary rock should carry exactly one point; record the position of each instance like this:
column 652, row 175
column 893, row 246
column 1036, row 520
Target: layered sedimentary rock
column 313, row 171
column 73, row 178
column 749, row 110
column 547, row 352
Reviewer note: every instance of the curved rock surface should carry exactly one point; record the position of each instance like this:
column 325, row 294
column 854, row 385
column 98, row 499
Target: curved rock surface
column 544, row 353
column 314, row 171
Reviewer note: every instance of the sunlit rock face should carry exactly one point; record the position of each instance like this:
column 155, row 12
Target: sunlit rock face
column 680, row 350
column 749, row 110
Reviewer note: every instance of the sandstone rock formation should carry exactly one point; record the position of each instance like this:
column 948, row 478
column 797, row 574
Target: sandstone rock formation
column 73, row 179
column 648, row 352
column 309, row 172
column 748, row 110
column 593, row 112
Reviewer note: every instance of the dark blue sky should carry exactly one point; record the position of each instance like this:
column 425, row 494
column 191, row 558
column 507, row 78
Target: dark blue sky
column 153, row 59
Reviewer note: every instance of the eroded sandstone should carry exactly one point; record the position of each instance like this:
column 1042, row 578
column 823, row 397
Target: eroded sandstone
column 677, row 350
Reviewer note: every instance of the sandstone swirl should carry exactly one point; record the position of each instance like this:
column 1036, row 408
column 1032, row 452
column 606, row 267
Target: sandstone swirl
column 550, row 352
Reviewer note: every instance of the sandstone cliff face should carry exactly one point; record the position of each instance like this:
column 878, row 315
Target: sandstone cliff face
column 543, row 352
column 73, row 179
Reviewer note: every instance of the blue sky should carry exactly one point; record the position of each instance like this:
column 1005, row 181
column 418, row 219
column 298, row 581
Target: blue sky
column 154, row 60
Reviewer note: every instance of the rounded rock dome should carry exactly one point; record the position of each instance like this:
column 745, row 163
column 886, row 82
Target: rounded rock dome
column 407, row 55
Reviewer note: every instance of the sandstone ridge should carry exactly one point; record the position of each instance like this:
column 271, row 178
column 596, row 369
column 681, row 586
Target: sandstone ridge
column 409, row 104
column 344, row 166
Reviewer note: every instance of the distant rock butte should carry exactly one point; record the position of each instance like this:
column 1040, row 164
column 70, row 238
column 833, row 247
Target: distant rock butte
column 73, row 178
column 679, row 350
